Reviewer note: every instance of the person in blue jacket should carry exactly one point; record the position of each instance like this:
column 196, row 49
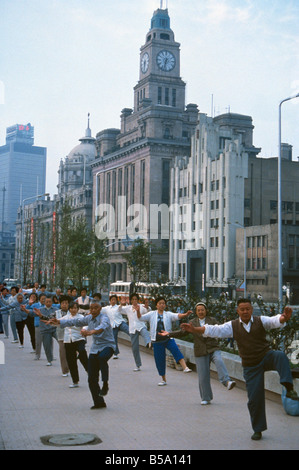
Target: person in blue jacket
column 19, row 314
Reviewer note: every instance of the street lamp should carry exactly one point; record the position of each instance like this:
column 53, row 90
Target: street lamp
column 279, row 201
column 22, row 232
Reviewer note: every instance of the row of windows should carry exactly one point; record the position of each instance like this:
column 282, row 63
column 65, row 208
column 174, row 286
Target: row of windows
column 167, row 96
column 214, row 270
column 287, row 206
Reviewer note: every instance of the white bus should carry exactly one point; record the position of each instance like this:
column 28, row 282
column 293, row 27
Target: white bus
column 144, row 289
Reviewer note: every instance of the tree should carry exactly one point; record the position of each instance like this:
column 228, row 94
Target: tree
column 98, row 266
column 139, row 260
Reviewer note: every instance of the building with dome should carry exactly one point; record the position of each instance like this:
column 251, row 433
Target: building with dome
column 37, row 222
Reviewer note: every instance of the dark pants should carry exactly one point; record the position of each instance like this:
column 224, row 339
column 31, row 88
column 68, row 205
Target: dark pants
column 31, row 328
column 20, row 329
column 96, row 363
column 71, row 350
column 254, row 379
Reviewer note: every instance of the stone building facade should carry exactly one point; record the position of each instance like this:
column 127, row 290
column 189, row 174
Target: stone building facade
column 132, row 170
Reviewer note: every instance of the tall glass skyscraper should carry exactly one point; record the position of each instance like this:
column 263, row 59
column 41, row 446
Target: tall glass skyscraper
column 22, row 174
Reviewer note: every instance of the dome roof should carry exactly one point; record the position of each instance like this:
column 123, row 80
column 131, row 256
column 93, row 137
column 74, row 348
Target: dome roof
column 86, row 148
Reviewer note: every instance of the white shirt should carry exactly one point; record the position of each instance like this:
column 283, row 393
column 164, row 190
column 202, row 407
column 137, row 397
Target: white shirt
column 72, row 333
column 134, row 323
column 226, row 330
column 83, row 301
column 113, row 312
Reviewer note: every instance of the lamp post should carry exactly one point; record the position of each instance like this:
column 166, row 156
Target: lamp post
column 279, row 203
column 22, row 232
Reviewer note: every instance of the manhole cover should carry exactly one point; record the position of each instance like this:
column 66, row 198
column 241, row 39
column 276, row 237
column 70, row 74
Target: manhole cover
column 80, row 439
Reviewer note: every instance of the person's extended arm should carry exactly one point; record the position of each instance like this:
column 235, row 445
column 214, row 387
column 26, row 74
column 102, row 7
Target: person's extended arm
column 213, row 331
column 184, row 315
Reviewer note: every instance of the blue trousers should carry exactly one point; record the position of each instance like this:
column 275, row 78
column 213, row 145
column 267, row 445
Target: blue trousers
column 122, row 327
column 160, row 353
column 254, row 379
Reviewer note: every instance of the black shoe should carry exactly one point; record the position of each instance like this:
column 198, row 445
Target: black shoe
column 256, row 436
column 101, row 405
column 104, row 390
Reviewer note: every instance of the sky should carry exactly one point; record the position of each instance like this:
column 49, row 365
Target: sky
column 63, row 59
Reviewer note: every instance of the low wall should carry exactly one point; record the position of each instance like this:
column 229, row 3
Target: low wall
column 232, row 363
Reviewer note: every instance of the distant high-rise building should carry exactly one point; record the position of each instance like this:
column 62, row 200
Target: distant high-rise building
column 23, row 172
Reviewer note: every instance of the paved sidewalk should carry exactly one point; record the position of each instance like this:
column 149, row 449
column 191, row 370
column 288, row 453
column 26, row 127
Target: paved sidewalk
column 36, row 401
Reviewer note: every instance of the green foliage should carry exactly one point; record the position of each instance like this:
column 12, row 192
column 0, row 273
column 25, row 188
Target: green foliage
column 80, row 256
column 139, row 260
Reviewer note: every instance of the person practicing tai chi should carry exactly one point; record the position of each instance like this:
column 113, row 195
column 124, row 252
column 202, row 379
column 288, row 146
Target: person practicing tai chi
column 206, row 350
column 257, row 357
column 136, row 327
column 101, row 350
column 160, row 320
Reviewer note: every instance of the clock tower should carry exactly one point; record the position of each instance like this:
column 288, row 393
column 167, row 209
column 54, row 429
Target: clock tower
column 159, row 74
column 133, row 167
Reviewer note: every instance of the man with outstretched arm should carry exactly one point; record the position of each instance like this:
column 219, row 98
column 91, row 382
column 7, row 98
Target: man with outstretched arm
column 257, row 357
column 101, row 350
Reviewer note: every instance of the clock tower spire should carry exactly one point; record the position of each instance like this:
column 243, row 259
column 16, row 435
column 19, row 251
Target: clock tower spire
column 159, row 74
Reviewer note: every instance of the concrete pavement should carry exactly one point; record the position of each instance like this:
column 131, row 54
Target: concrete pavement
column 36, row 401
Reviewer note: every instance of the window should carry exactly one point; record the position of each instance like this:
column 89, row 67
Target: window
column 167, row 96
column 159, row 95
column 173, row 102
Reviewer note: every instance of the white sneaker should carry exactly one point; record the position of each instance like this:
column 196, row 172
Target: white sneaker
column 115, row 356
column 65, row 375
column 49, row 363
column 186, row 370
column 15, row 341
column 21, row 346
column 230, row 384
column 204, row 402
column 161, row 384
column 137, row 369
column 73, row 385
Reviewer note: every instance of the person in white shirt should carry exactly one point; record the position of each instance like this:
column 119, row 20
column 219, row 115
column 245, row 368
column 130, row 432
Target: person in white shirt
column 117, row 321
column 160, row 321
column 257, row 357
column 136, row 327
column 83, row 302
column 75, row 344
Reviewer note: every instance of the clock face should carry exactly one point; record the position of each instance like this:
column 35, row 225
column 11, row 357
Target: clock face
column 144, row 62
column 165, row 61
